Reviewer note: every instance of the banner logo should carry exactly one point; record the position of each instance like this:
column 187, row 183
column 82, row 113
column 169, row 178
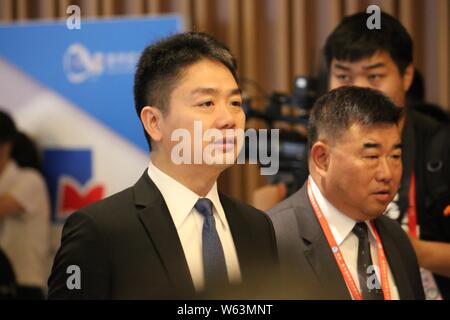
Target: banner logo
column 80, row 64
column 70, row 180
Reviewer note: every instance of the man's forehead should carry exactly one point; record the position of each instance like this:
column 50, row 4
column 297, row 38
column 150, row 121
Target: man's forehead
column 378, row 59
column 382, row 132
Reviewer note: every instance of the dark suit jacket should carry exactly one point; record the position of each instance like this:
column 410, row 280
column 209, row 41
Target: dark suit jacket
column 127, row 247
column 309, row 269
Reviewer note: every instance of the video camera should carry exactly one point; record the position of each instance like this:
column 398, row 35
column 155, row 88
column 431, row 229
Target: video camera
column 290, row 115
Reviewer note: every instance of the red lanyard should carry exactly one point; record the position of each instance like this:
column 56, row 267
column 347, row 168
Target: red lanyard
column 412, row 211
column 351, row 285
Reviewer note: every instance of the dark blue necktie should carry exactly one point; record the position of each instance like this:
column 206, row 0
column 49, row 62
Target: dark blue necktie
column 213, row 258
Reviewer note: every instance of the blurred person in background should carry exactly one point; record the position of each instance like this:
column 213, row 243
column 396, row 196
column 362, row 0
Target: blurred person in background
column 383, row 59
column 24, row 210
column 415, row 98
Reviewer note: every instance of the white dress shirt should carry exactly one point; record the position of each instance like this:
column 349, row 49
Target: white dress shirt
column 341, row 227
column 189, row 224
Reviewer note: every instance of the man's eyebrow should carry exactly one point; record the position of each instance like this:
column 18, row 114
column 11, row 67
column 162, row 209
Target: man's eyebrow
column 235, row 92
column 213, row 91
column 341, row 66
column 374, row 66
column 370, row 145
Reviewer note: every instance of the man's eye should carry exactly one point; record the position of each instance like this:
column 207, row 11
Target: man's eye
column 396, row 156
column 371, row 157
column 343, row 77
column 236, row 104
column 206, row 104
column 375, row 77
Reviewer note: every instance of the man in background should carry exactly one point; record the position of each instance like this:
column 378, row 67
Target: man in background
column 332, row 237
column 382, row 59
column 24, row 214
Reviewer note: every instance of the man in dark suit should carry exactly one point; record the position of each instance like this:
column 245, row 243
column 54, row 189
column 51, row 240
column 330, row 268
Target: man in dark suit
column 172, row 234
column 332, row 239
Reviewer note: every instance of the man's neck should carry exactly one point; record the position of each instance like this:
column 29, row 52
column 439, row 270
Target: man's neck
column 193, row 177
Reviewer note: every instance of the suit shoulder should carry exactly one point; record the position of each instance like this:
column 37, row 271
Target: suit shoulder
column 282, row 208
column 246, row 209
column 114, row 204
column 424, row 125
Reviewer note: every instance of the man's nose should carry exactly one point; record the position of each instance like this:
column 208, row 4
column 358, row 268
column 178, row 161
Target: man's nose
column 385, row 170
column 225, row 119
column 361, row 82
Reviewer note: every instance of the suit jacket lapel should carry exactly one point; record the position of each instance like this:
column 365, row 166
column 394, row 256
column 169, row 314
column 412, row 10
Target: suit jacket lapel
column 156, row 219
column 396, row 264
column 317, row 251
column 241, row 236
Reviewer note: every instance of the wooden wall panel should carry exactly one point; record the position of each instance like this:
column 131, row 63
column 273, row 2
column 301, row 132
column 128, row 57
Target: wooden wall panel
column 443, row 50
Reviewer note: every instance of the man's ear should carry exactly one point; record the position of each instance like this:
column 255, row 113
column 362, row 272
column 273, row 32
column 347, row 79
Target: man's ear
column 151, row 120
column 320, row 157
column 408, row 77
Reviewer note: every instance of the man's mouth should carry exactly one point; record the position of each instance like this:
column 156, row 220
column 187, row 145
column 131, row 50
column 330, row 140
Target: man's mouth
column 226, row 141
column 383, row 195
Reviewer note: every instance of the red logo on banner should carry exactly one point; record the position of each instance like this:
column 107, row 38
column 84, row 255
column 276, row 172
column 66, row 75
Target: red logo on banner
column 73, row 200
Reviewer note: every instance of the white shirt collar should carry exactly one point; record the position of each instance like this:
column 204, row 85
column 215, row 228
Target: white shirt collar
column 340, row 224
column 180, row 200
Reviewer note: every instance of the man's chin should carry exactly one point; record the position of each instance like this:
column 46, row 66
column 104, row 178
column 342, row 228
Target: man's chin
column 219, row 166
column 224, row 159
column 376, row 212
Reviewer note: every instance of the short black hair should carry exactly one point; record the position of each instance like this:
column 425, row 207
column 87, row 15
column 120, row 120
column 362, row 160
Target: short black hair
column 352, row 40
column 25, row 152
column 337, row 110
column 161, row 64
column 8, row 130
